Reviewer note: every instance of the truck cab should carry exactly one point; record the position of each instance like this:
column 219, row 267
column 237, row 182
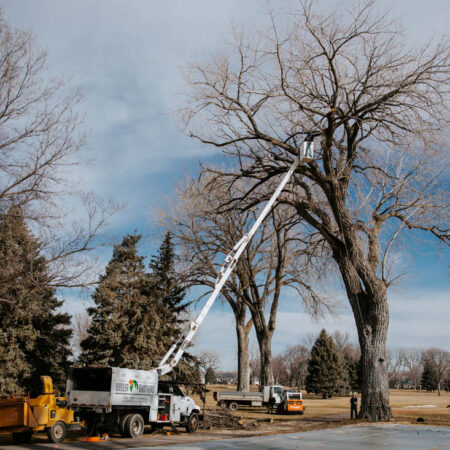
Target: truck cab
column 275, row 391
column 176, row 407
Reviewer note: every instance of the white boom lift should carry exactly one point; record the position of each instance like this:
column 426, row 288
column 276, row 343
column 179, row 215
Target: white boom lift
column 306, row 154
column 123, row 399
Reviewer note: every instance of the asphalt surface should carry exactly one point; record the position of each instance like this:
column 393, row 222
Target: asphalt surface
column 383, row 436
column 371, row 437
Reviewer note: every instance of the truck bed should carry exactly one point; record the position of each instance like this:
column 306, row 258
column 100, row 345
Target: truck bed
column 237, row 395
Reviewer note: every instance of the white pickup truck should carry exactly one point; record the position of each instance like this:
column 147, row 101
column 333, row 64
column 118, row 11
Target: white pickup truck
column 126, row 400
column 232, row 399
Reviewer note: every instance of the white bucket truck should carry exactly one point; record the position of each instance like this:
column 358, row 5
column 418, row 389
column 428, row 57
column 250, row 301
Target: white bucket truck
column 125, row 399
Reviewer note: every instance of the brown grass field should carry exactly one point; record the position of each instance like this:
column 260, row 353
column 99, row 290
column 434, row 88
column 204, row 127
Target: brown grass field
column 403, row 402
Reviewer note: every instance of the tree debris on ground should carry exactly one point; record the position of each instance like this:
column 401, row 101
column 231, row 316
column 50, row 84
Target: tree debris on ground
column 222, row 418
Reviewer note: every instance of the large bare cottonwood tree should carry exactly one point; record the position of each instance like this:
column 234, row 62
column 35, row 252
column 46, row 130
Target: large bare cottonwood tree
column 380, row 108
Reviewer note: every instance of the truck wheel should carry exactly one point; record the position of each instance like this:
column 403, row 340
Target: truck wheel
column 122, row 422
column 193, row 423
column 22, row 438
column 134, row 426
column 57, row 432
column 233, row 406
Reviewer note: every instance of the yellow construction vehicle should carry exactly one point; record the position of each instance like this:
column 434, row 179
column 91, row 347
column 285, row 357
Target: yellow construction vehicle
column 22, row 416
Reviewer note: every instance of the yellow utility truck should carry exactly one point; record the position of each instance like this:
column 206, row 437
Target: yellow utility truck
column 22, row 416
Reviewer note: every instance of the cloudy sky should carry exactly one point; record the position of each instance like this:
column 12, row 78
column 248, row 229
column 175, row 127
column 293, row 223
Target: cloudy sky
column 126, row 57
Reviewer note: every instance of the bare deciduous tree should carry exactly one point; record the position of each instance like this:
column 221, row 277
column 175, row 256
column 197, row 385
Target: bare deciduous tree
column 412, row 361
column 40, row 145
column 208, row 359
column 280, row 370
column 380, row 108
column 203, row 239
column 296, row 359
column 395, row 368
column 440, row 363
column 81, row 321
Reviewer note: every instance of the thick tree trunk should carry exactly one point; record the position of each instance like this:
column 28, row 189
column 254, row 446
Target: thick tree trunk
column 265, row 348
column 243, row 358
column 370, row 309
column 375, row 404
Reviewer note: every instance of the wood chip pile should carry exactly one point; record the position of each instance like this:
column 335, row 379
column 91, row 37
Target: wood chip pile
column 223, row 419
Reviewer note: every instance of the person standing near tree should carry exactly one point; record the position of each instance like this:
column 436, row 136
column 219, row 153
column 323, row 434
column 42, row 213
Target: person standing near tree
column 354, row 406
column 271, row 403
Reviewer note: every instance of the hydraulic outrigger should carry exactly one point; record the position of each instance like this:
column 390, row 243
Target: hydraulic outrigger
column 180, row 346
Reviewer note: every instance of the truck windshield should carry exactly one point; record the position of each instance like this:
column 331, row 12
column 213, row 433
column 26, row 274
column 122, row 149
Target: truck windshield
column 91, row 379
column 165, row 387
column 277, row 390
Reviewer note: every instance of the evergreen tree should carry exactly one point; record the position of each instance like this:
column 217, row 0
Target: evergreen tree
column 14, row 367
column 126, row 321
column 136, row 314
column 34, row 336
column 170, row 291
column 353, row 368
column 210, row 376
column 429, row 378
column 167, row 286
column 326, row 369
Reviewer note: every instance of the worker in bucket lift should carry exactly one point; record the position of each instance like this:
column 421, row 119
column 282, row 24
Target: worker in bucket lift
column 354, row 406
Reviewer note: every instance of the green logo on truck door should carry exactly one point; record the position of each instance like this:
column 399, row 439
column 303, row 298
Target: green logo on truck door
column 133, row 385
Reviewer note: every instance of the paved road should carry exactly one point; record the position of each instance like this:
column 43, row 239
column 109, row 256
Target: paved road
column 383, row 436
column 372, row 437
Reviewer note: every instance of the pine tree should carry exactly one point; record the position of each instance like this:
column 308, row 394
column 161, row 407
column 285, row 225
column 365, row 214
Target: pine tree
column 135, row 317
column 34, row 336
column 210, row 376
column 168, row 289
column 353, row 368
column 166, row 285
column 14, row 367
column 429, row 378
column 326, row 369
column 126, row 323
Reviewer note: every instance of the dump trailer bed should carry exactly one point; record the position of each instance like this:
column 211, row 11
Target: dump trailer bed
column 16, row 415
column 22, row 416
column 233, row 399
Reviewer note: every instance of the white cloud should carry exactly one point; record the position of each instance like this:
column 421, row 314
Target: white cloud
column 126, row 57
